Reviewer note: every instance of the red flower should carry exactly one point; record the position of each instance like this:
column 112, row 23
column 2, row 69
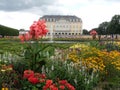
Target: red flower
column 49, row 82
column 69, row 86
column 37, row 75
column 42, row 80
column 62, row 87
column 43, row 76
column 33, row 80
column 63, row 82
column 28, row 73
column 25, row 37
column 22, row 38
column 53, row 87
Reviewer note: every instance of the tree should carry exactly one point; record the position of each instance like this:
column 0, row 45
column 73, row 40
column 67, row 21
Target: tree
column 114, row 25
column 85, row 32
column 102, row 29
column 7, row 31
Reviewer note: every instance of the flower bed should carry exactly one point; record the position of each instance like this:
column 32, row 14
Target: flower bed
column 42, row 66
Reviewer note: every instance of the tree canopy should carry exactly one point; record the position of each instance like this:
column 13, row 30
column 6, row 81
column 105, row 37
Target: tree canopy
column 112, row 27
column 85, row 32
column 7, row 31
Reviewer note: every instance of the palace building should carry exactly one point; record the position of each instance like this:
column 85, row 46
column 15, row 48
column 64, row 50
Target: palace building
column 63, row 25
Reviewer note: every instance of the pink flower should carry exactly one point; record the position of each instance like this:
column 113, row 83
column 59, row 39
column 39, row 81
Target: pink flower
column 38, row 29
column 93, row 32
column 27, row 36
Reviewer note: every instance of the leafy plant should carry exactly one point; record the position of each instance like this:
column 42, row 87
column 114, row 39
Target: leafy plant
column 35, row 54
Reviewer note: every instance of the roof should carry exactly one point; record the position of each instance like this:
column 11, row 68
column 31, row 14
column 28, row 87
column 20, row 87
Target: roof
column 57, row 17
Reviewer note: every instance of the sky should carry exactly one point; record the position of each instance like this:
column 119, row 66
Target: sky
column 20, row 14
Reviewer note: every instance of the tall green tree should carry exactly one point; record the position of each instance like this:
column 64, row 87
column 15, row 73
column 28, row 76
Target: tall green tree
column 85, row 32
column 7, row 31
column 114, row 25
column 103, row 28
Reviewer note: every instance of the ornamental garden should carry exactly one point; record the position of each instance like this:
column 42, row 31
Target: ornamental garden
column 28, row 63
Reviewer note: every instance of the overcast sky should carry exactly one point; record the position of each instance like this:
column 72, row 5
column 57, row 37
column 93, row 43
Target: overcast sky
column 20, row 14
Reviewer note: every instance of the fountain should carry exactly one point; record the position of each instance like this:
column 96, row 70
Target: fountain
column 51, row 37
column 51, row 34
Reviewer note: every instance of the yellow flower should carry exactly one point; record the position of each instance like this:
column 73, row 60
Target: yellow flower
column 4, row 88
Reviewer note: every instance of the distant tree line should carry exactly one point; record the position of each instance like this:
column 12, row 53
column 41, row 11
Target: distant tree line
column 107, row 28
column 7, row 31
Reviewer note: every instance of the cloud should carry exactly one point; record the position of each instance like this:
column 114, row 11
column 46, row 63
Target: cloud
column 15, row 5
column 18, row 20
column 43, row 10
column 92, row 12
column 22, row 12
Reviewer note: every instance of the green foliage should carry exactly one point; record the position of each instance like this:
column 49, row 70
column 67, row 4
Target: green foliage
column 12, row 47
column 102, row 29
column 110, row 46
column 56, row 69
column 114, row 26
column 7, row 31
column 36, row 53
column 26, row 85
column 85, row 32
column 80, row 79
column 98, row 44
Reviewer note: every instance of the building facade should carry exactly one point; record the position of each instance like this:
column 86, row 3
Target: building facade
column 63, row 25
